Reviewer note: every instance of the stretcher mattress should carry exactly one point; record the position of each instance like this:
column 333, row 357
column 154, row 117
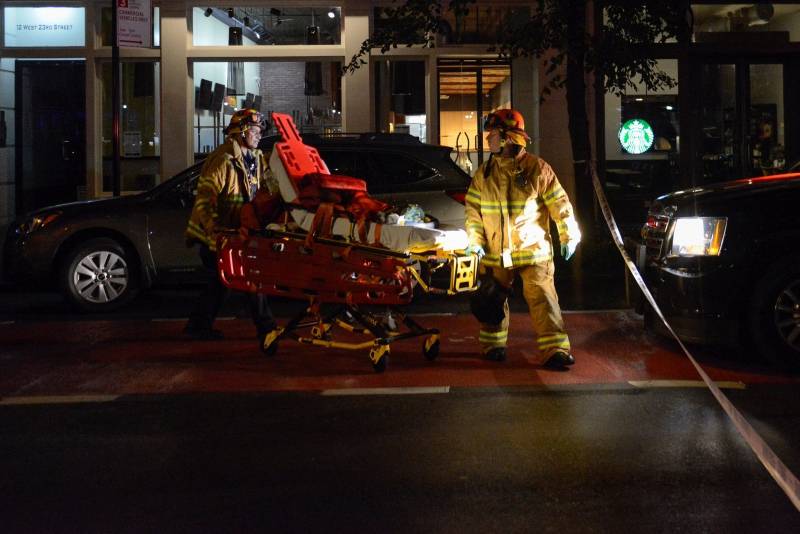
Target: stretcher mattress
column 401, row 238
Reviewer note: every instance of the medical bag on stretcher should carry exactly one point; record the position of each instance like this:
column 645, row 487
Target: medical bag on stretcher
column 347, row 271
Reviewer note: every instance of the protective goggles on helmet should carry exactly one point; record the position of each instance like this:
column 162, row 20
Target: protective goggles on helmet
column 242, row 120
column 510, row 123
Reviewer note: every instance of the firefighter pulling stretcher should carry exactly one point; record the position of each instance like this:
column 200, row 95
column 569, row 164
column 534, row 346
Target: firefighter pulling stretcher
column 327, row 244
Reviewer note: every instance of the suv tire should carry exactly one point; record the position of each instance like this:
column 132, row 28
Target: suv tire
column 97, row 276
column 775, row 315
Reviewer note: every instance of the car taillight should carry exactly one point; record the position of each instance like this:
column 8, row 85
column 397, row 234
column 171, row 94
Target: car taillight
column 459, row 195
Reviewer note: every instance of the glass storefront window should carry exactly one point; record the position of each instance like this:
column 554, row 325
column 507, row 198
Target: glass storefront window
column 105, row 26
column 140, row 126
column 400, row 98
column 754, row 22
column 221, row 88
column 253, row 26
column 7, row 139
column 470, row 89
column 642, row 146
column 766, row 125
column 44, row 26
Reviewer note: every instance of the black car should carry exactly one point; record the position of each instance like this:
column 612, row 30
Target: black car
column 723, row 263
column 99, row 253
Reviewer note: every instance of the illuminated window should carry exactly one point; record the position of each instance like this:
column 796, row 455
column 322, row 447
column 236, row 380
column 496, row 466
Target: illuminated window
column 44, row 26
column 253, row 26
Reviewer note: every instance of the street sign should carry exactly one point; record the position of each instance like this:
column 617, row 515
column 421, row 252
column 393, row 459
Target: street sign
column 134, row 23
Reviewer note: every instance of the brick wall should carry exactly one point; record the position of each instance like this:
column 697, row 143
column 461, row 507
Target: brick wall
column 282, row 90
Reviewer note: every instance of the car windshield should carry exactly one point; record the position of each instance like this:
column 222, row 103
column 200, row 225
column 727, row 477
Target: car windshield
column 178, row 178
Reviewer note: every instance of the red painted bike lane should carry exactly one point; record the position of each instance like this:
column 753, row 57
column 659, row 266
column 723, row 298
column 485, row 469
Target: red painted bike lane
column 154, row 357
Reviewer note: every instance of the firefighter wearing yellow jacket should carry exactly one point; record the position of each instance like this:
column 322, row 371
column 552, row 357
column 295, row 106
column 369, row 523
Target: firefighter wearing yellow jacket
column 509, row 205
column 231, row 176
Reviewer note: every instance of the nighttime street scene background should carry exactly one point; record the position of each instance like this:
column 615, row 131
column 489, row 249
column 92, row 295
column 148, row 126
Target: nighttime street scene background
column 366, row 266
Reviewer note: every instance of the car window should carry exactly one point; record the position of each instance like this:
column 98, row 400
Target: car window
column 340, row 162
column 392, row 172
column 182, row 189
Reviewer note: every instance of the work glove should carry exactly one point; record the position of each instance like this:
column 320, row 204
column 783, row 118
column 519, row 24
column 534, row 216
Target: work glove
column 475, row 249
column 568, row 249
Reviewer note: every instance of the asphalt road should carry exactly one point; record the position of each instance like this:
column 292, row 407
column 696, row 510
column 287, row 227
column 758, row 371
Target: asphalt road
column 158, row 434
column 577, row 459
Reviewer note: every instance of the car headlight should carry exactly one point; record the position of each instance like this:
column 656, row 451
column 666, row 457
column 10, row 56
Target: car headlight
column 38, row 221
column 698, row 236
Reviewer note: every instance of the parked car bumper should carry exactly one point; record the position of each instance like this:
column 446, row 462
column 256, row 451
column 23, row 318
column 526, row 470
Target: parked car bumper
column 25, row 259
column 693, row 305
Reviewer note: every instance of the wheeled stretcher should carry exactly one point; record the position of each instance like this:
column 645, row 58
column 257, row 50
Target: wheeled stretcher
column 343, row 268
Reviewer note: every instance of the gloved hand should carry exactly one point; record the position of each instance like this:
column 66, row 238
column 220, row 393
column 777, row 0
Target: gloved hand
column 475, row 249
column 568, row 249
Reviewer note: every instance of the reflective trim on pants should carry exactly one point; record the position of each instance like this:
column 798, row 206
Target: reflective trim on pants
column 539, row 290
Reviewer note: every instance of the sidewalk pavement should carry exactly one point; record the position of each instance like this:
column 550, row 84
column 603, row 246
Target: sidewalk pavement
column 153, row 357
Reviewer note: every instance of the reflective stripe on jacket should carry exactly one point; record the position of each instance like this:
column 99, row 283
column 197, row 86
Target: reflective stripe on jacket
column 221, row 191
column 509, row 205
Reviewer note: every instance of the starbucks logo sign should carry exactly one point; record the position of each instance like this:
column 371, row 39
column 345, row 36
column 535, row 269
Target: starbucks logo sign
column 636, row 136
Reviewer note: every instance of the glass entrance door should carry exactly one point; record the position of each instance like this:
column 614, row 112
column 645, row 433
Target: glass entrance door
column 50, row 129
column 741, row 121
column 468, row 90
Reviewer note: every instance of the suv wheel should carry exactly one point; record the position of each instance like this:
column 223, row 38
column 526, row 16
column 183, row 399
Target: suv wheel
column 775, row 316
column 96, row 276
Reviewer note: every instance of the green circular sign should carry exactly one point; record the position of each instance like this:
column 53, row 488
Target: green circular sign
column 636, row 136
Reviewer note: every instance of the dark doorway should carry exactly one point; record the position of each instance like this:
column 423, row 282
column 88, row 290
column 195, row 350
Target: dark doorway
column 50, row 132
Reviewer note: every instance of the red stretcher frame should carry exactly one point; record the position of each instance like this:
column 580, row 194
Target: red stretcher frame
column 337, row 275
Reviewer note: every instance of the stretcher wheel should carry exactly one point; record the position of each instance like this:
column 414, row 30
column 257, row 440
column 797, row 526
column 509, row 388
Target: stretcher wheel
column 269, row 342
column 318, row 332
column 379, row 355
column 430, row 347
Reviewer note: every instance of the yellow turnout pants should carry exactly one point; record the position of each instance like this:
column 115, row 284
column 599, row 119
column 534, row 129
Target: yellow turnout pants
column 539, row 290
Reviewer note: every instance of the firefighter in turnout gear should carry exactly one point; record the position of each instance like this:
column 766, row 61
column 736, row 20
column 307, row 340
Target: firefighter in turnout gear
column 509, row 205
column 231, row 176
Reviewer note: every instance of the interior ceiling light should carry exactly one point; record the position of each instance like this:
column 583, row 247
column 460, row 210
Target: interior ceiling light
column 208, row 12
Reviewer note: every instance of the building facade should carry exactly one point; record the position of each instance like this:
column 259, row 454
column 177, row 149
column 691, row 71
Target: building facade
column 730, row 113
column 206, row 61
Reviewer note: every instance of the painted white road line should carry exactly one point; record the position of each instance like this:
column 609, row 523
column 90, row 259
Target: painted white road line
column 386, row 391
column 683, row 384
column 56, row 399
column 184, row 319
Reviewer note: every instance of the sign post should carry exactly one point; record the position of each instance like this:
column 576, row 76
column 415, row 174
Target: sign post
column 116, row 178
column 131, row 25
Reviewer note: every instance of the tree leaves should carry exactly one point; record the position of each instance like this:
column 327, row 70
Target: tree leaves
column 621, row 54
